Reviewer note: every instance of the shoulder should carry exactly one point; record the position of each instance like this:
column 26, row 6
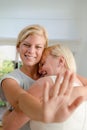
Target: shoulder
column 12, row 75
column 49, row 79
column 16, row 75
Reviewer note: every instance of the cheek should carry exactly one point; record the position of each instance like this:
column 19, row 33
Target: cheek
column 40, row 51
column 39, row 54
column 22, row 50
column 44, row 68
column 48, row 69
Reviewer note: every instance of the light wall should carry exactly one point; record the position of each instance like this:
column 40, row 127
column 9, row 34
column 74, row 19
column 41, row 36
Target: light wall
column 57, row 16
column 65, row 20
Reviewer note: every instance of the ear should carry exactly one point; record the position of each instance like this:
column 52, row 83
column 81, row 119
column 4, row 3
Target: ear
column 61, row 61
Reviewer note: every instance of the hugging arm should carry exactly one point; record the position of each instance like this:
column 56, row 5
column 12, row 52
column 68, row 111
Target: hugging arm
column 12, row 92
column 14, row 120
column 58, row 102
column 82, row 79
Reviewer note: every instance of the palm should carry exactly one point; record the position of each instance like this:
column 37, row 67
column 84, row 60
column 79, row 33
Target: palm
column 51, row 108
column 56, row 107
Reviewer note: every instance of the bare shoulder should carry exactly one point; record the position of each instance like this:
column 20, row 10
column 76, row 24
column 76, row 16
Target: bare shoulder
column 37, row 87
column 45, row 79
column 78, row 82
column 10, row 84
column 11, row 89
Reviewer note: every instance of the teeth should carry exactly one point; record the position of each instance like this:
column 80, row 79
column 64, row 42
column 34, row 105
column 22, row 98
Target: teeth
column 29, row 56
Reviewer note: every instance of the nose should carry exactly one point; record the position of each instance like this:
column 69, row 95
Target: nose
column 31, row 49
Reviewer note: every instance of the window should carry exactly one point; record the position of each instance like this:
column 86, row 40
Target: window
column 7, row 64
column 7, row 59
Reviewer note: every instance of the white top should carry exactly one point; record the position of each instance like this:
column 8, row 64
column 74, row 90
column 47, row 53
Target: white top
column 77, row 121
column 24, row 81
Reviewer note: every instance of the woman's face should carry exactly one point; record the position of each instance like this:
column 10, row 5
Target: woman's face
column 48, row 65
column 31, row 49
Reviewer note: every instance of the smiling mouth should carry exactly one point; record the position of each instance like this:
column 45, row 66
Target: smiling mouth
column 30, row 57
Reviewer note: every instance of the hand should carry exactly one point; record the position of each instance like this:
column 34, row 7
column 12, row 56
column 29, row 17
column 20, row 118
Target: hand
column 57, row 108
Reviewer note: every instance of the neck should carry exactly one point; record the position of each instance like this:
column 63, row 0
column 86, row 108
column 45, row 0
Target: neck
column 30, row 71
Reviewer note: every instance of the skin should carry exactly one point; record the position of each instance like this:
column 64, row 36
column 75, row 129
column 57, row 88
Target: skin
column 49, row 65
column 82, row 79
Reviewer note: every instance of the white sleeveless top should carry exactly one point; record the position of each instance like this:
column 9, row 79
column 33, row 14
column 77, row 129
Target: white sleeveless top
column 77, row 121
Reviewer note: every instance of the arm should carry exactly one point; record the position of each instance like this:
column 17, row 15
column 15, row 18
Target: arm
column 58, row 102
column 14, row 120
column 60, row 111
column 82, row 79
column 13, row 91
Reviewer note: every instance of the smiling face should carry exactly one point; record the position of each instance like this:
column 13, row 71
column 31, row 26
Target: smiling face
column 31, row 49
column 56, row 59
column 49, row 65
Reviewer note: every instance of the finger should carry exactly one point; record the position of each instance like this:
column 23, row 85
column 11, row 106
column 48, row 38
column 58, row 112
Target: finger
column 65, row 82
column 57, row 85
column 46, row 92
column 76, row 103
column 70, row 85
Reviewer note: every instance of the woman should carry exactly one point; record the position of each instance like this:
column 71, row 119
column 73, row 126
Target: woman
column 30, row 44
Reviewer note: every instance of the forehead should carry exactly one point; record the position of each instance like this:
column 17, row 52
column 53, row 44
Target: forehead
column 35, row 39
column 34, row 36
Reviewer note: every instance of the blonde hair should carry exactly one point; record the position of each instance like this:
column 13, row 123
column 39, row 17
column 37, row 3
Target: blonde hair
column 62, row 50
column 31, row 30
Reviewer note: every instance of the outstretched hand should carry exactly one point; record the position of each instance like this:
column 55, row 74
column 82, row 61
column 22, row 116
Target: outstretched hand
column 56, row 107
